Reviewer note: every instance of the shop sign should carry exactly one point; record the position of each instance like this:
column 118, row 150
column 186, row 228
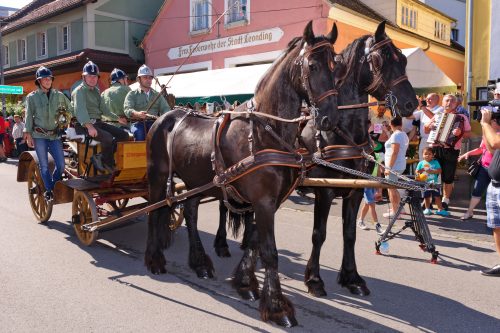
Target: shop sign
column 227, row 43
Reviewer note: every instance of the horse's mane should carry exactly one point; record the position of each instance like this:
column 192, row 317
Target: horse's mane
column 267, row 75
column 351, row 54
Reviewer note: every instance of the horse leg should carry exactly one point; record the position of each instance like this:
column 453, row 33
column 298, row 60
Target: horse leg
column 249, row 229
column 220, row 242
column 274, row 305
column 159, row 235
column 244, row 280
column 322, row 203
column 348, row 276
column 199, row 261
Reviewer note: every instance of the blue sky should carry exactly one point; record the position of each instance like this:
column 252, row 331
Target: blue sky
column 14, row 3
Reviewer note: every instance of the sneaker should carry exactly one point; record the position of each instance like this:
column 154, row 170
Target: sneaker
column 427, row 211
column 443, row 212
column 362, row 225
column 445, row 205
column 379, row 229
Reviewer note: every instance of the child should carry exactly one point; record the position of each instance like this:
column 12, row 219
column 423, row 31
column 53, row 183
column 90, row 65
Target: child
column 369, row 204
column 429, row 170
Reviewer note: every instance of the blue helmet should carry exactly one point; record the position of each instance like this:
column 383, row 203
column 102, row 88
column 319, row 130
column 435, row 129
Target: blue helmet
column 90, row 69
column 144, row 71
column 43, row 72
column 117, row 74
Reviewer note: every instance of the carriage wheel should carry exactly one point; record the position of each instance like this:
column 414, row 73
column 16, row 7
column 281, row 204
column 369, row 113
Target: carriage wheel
column 177, row 217
column 84, row 212
column 42, row 209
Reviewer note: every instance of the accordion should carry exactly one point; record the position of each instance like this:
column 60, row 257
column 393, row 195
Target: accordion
column 444, row 125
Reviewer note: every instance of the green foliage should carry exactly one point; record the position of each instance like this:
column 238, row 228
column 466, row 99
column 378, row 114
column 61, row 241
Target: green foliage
column 13, row 105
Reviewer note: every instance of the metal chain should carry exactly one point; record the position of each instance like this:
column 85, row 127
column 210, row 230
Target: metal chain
column 412, row 185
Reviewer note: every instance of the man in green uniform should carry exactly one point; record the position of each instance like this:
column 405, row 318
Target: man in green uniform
column 114, row 97
column 42, row 113
column 89, row 109
column 137, row 103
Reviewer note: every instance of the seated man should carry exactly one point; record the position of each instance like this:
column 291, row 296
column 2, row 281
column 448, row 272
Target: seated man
column 89, row 108
column 137, row 104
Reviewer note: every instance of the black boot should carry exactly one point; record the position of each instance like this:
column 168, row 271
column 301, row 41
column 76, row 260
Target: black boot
column 493, row 271
column 97, row 162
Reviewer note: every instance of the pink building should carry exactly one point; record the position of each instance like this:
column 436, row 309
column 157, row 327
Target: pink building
column 252, row 32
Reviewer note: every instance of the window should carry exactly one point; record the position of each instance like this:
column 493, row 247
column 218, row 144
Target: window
column 201, row 15
column 454, row 34
column 41, row 44
column 63, row 38
column 21, row 50
column 5, row 55
column 440, row 30
column 409, row 17
column 238, row 11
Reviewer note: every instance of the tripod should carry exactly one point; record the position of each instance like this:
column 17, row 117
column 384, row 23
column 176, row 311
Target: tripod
column 417, row 224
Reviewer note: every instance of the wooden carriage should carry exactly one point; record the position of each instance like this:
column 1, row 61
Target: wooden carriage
column 98, row 199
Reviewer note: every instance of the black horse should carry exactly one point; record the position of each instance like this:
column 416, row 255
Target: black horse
column 183, row 142
column 373, row 65
column 376, row 67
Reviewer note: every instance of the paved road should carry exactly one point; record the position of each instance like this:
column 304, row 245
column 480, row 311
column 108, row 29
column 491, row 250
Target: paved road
column 51, row 283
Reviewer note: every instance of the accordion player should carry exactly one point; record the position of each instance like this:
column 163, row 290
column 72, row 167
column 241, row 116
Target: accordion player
column 442, row 132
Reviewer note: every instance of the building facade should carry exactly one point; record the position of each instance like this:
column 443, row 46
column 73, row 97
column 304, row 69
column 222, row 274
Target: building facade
column 256, row 31
column 64, row 34
column 455, row 9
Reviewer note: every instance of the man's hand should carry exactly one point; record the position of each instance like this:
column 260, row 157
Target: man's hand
column 456, row 132
column 140, row 114
column 91, row 129
column 123, row 120
column 486, row 116
column 29, row 139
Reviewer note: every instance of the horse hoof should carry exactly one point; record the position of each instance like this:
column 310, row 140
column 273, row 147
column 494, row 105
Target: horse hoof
column 316, row 291
column 360, row 290
column 223, row 252
column 286, row 321
column 249, row 295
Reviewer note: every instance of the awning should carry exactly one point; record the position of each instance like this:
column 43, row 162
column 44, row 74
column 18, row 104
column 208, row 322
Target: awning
column 424, row 75
column 231, row 84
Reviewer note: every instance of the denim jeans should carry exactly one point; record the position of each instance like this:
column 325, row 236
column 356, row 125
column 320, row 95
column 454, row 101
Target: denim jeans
column 55, row 148
column 481, row 183
column 137, row 129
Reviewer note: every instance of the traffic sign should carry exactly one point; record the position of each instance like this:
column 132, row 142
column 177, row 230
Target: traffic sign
column 15, row 90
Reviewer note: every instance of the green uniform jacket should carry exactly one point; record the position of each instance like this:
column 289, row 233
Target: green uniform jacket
column 41, row 111
column 88, row 104
column 137, row 100
column 114, row 97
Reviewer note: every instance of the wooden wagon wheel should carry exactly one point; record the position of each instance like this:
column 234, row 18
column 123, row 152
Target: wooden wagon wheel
column 84, row 212
column 42, row 209
column 177, row 216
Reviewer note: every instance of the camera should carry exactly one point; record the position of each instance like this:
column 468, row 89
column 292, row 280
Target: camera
column 423, row 102
column 495, row 104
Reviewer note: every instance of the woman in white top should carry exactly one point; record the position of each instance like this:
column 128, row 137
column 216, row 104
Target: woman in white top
column 395, row 159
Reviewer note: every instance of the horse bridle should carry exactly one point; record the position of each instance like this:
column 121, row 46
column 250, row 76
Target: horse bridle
column 303, row 62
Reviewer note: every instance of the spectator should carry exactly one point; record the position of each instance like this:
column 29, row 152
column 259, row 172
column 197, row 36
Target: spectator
column 369, row 204
column 460, row 108
column 395, row 160
column 430, row 169
column 378, row 121
column 482, row 179
column 492, row 140
column 3, row 133
column 424, row 115
column 18, row 135
column 446, row 155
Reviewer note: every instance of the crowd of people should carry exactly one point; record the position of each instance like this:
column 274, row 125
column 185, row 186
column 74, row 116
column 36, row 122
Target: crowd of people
column 437, row 161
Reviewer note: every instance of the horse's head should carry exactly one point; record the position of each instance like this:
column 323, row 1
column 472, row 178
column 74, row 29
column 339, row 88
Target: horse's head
column 387, row 72
column 316, row 82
